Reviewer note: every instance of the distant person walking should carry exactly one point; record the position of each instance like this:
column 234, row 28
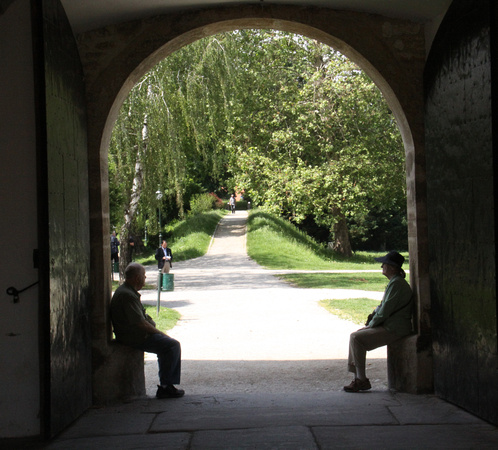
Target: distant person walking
column 390, row 321
column 232, row 203
column 164, row 258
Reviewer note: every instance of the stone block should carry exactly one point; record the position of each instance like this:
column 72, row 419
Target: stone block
column 118, row 373
column 409, row 366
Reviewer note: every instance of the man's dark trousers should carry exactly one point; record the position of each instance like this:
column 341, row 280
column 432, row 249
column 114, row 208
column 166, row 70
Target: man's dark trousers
column 169, row 357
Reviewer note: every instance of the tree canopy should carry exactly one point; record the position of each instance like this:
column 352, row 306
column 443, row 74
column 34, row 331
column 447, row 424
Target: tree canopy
column 292, row 123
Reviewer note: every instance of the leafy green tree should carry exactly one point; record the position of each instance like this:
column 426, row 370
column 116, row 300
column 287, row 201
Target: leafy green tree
column 322, row 140
column 292, row 122
column 166, row 137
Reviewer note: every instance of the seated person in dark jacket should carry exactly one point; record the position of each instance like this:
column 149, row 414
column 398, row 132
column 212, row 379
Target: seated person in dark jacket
column 164, row 258
column 135, row 328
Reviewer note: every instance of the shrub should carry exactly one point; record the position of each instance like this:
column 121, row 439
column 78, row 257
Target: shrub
column 218, row 202
column 241, row 205
column 201, row 203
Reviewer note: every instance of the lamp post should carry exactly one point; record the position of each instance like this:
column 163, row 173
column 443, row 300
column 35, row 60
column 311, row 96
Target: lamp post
column 159, row 196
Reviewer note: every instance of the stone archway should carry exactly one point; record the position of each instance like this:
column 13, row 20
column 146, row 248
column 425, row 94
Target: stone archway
column 391, row 51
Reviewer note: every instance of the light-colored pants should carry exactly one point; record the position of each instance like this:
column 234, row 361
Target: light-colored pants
column 363, row 340
column 166, row 268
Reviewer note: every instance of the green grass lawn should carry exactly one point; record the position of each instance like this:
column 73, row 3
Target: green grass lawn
column 277, row 244
column 167, row 317
column 362, row 281
column 188, row 239
column 353, row 309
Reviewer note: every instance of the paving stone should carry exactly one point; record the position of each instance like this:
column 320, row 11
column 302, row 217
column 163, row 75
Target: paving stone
column 480, row 436
column 287, row 438
column 248, row 395
column 170, row 441
column 429, row 410
column 109, row 424
column 253, row 411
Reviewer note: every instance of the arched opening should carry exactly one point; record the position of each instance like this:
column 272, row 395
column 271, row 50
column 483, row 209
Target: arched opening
column 408, row 117
column 162, row 86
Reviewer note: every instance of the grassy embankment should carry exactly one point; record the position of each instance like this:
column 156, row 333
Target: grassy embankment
column 277, row 244
column 187, row 238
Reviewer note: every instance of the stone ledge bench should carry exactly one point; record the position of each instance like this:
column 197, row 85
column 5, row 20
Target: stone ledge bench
column 120, row 371
column 409, row 365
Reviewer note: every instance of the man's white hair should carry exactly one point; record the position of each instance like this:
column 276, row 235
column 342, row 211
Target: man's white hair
column 132, row 270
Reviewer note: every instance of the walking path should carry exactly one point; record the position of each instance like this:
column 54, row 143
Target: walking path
column 263, row 368
column 243, row 330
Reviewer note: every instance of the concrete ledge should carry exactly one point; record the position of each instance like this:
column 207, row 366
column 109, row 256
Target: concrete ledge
column 409, row 366
column 118, row 373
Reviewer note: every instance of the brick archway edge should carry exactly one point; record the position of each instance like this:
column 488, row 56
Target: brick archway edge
column 391, row 51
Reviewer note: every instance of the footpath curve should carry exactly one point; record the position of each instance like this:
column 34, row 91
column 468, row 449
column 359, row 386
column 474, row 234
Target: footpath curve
column 244, row 330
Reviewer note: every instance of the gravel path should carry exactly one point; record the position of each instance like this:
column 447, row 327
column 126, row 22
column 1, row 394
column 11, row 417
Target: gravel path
column 243, row 330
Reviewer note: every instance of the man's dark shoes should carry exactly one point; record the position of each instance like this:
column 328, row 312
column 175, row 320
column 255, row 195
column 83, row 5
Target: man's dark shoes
column 358, row 385
column 169, row 391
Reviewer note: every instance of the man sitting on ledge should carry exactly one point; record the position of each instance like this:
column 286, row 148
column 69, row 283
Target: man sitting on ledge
column 390, row 321
column 133, row 327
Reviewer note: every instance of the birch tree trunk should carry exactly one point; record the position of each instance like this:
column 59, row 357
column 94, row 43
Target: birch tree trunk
column 134, row 201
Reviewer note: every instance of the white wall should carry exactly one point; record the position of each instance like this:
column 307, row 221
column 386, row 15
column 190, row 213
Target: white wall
column 19, row 356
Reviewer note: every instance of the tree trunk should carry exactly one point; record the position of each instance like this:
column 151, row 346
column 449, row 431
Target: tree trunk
column 130, row 214
column 342, row 244
column 132, row 208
